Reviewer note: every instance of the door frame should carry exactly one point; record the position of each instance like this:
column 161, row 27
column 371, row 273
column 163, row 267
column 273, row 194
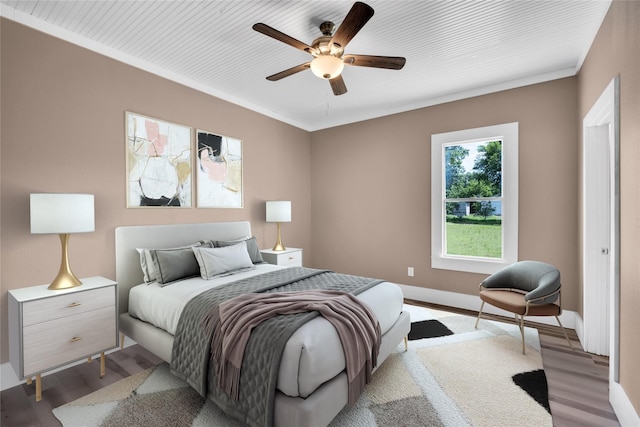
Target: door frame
column 606, row 112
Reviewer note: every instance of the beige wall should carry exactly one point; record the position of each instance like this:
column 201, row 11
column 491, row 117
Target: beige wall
column 63, row 131
column 371, row 187
column 366, row 185
column 615, row 53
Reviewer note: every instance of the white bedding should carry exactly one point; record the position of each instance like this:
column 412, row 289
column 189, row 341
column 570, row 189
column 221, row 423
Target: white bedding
column 162, row 306
column 312, row 355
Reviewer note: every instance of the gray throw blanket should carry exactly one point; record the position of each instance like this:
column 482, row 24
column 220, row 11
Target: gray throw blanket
column 231, row 324
column 261, row 362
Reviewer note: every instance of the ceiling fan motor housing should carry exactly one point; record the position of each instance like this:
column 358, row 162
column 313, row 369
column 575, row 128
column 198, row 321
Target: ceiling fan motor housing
column 323, row 46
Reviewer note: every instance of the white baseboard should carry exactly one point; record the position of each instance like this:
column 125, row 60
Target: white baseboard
column 9, row 379
column 627, row 415
column 568, row 318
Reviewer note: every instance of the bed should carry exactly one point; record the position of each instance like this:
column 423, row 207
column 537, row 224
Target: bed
column 311, row 385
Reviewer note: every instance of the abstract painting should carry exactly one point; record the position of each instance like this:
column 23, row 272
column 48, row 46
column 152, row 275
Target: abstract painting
column 158, row 163
column 219, row 172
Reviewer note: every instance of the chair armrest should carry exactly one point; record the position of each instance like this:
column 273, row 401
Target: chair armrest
column 502, row 279
column 547, row 289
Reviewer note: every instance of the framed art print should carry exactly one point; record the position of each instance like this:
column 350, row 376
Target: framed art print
column 158, row 163
column 219, row 171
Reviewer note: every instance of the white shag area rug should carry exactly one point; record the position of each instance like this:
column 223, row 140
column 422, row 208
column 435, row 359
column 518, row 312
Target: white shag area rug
column 453, row 375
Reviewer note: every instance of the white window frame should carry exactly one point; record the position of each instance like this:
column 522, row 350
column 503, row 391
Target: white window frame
column 508, row 134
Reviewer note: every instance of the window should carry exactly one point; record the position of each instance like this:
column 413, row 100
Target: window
column 474, row 199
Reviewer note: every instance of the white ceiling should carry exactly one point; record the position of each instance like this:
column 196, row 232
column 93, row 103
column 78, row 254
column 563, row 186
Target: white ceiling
column 454, row 49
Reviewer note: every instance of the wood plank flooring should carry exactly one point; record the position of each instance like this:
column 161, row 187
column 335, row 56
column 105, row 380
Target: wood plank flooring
column 20, row 409
column 578, row 382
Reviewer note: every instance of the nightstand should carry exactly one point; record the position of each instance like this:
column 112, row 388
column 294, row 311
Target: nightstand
column 52, row 328
column 290, row 257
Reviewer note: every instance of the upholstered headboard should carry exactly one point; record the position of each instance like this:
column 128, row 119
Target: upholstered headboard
column 129, row 238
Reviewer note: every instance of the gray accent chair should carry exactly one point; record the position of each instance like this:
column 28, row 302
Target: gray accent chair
column 526, row 288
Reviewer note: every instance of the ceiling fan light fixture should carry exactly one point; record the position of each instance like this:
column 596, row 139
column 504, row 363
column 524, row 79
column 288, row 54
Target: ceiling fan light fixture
column 327, row 66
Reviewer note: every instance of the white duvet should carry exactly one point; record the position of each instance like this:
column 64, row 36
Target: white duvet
column 312, row 355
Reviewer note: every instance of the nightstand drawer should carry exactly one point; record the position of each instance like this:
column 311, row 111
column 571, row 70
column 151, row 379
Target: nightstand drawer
column 47, row 309
column 290, row 259
column 60, row 341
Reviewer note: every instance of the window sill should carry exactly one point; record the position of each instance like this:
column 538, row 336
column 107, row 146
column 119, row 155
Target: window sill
column 482, row 266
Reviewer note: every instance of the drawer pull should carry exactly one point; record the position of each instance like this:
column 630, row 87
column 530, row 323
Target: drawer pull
column 75, row 339
column 74, row 304
column 291, row 258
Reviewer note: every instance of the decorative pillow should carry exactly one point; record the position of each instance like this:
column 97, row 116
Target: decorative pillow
column 252, row 247
column 148, row 264
column 223, row 261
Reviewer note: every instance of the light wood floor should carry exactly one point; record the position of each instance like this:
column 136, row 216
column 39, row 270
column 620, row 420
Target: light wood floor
column 578, row 383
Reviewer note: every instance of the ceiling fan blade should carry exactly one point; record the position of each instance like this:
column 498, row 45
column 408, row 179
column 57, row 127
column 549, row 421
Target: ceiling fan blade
column 338, row 86
column 389, row 62
column 280, row 36
column 289, row 72
column 359, row 15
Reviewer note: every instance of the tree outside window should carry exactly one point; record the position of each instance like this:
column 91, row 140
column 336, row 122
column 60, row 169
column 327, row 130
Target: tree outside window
column 473, row 199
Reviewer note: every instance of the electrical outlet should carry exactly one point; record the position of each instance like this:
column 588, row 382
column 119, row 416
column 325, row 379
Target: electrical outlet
column 410, row 271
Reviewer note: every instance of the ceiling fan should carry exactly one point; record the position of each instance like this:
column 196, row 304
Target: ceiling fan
column 328, row 50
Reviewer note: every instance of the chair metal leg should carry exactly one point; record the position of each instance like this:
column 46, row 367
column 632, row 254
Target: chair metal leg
column 479, row 313
column 565, row 333
column 520, row 323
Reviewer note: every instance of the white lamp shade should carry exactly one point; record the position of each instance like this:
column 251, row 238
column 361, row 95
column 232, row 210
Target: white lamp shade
column 55, row 213
column 278, row 211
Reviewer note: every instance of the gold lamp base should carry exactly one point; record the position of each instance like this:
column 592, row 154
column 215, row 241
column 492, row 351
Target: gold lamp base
column 65, row 278
column 279, row 246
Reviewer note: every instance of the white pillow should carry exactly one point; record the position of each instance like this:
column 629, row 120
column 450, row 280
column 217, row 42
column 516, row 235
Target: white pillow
column 252, row 247
column 223, row 261
column 146, row 263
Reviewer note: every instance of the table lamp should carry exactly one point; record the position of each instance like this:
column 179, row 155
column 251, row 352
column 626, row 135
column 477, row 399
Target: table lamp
column 63, row 214
column 278, row 211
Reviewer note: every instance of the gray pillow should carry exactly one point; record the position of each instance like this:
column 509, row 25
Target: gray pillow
column 175, row 263
column 148, row 265
column 252, row 247
column 215, row 262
